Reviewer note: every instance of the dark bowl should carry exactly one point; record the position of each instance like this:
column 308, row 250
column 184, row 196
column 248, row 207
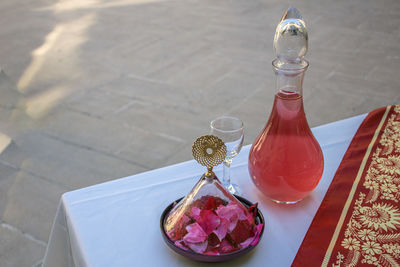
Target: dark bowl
column 209, row 258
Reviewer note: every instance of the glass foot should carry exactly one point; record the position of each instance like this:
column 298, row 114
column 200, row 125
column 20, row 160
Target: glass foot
column 285, row 202
column 233, row 189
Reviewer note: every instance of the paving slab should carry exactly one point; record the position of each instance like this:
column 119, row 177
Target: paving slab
column 97, row 103
column 149, row 91
column 231, row 89
column 31, row 204
column 46, row 156
column 5, row 182
column 17, row 250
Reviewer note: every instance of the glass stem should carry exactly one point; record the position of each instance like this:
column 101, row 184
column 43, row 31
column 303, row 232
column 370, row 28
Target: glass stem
column 226, row 179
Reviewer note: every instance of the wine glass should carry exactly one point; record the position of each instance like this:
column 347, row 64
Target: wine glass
column 230, row 131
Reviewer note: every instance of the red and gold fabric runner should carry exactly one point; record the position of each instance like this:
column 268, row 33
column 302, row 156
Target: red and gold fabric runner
column 358, row 222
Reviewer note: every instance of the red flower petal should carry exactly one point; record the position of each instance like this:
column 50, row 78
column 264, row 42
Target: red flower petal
column 242, row 231
column 250, row 219
column 253, row 209
column 213, row 241
column 212, row 252
column 195, row 234
column 226, row 247
column 179, row 230
column 210, row 204
column 208, row 221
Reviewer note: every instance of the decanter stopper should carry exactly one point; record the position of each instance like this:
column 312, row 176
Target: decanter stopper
column 291, row 38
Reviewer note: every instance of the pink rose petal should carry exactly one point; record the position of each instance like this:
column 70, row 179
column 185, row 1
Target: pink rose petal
column 195, row 213
column 247, row 242
column 224, row 212
column 258, row 230
column 195, row 234
column 180, row 244
column 229, row 214
column 233, row 222
column 233, row 213
column 198, row 247
column 208, row 221
column 238, row 209
column 222, row 229
column 185, row 219
column 241, row 213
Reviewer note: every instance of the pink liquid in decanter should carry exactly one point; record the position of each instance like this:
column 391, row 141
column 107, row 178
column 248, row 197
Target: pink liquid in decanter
column 286, row 161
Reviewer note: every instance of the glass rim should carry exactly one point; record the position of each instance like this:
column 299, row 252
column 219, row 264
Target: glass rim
column 300, row 66
column 226, row 117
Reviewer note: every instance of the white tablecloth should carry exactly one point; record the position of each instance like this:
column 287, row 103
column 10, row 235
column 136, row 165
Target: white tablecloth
column 116, row 224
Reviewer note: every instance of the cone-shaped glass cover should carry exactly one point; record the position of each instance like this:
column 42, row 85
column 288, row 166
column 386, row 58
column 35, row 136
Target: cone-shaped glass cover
column 209, row 220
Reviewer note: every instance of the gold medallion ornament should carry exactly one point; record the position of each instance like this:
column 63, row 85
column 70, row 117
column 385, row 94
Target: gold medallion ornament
column 209, row 151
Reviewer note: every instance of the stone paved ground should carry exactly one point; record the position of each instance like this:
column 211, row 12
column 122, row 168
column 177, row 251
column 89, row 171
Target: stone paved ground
column 94, row 90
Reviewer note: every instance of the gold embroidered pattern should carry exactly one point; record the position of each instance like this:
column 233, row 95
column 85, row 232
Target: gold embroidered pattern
column 372, row 235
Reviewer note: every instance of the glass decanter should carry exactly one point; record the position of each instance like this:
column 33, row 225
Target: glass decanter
column 286, row 161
